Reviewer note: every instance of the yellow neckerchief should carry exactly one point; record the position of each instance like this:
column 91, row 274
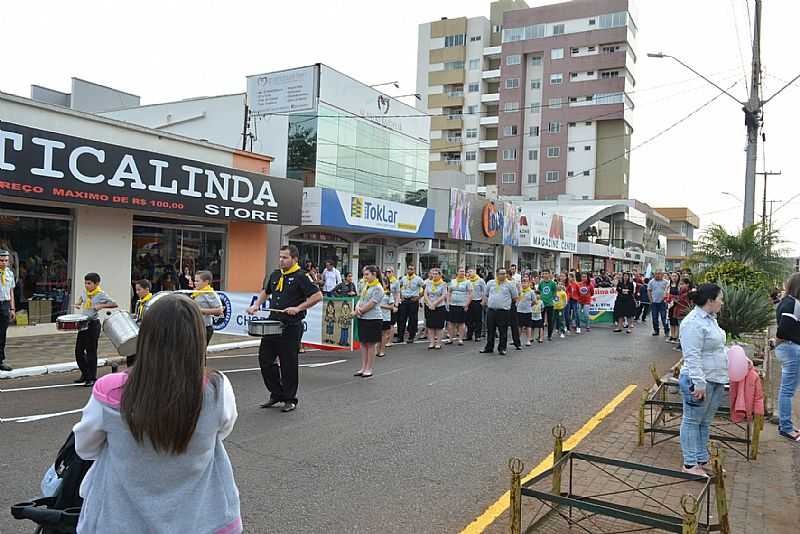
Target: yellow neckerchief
column 140, row 304
column 3, row 277
column 392, row 279
column 89, row 295
column 525, row 290
column 474, row 278
column 293, row 269
column 198, row 292
column 436, row 283
column 367, row 287
column 460, row 278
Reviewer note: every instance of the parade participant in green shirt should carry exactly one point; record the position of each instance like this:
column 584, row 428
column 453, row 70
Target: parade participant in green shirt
column 547, row 291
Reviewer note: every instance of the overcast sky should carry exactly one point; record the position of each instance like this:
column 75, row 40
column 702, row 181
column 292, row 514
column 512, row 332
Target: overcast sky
column 170, row 50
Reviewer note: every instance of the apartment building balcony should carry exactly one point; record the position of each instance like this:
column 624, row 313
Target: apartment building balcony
column 488, row 143
column 485, row 121
column 446, row 144
column 493, row 74
column 492, row 51
column 445, row 165
column 487, row 167
column 446, row 100
column 490, row 97
column 443, row 55
column 446, row 77
column 447, row 122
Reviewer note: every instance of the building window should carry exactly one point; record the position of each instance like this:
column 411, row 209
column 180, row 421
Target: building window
column 536, row 84
column 573, row 99
column 552, row 176
column 474, row 64
column 471, row 133
column 512, row 83
column 454, row 40
column 571, row 124
column 535, row 31
column 591, row 49
column 535, row 107
column 475, row 38
column 608, row 98
column 554, row 103
column 472, row 110
column 609, row 74
column 592, row 22
column 509, row 154
column 554, row 152
column 470, row 155
column 586, row 173
column 587, row 147
column 510, row 106
column 613, row 20
column 588, row 123
column 554, row 127
column 570, row 174
column 571, row 149
column 509, row 131
column 610, row 49
column 454, row 65
column 556, row 53
column 573, row 75
column 513, row 59
column 474, row 87
column 533, row 155
column 509, row 177
column 497, row 28
column 590, row 73
column 625, row 178
column 558, row 29
column 556, row 79
column 536, row 61
column 532, row 179
column 575, row 51
column 533, row 131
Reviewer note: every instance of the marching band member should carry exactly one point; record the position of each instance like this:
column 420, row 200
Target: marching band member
column 208, row 300
column 93, row 299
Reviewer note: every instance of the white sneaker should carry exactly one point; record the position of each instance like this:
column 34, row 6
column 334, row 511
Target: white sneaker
column 562, row 335
column 577, row 330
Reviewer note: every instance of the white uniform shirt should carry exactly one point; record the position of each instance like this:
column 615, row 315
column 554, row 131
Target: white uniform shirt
column 7, row 285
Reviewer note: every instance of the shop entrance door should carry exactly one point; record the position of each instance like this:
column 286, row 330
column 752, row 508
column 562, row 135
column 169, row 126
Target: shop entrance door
column 369, row 255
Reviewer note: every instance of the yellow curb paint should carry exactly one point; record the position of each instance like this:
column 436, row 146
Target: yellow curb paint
column 501, row 505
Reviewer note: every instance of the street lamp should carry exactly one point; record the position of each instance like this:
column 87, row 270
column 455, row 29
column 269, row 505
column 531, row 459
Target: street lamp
column 395, row 83
column 739, row 200
column 416, row 95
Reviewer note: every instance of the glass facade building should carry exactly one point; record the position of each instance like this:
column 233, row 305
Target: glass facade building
column 342, row 151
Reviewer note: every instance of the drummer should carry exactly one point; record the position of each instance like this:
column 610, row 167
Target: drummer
column 7, row 306
column 142, row 288
column 93, row 299
column 290, row 290
column 208, row 300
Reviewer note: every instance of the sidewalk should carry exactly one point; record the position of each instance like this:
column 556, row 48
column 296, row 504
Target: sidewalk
column 762, row 495
column 38, row 346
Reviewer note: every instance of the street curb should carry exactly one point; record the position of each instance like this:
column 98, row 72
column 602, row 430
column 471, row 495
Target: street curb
column 65, row 367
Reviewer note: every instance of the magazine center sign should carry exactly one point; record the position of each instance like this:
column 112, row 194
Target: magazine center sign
column 547, row 229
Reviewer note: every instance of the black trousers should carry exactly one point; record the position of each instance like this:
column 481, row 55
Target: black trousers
column 475, row 320
column 497, row 319
column 209, row 333
column 5, row 318
column 550, row 314
column 515, row 326
column 642, row 311
column 277, row 357
column 407, row 318
column 86, row 350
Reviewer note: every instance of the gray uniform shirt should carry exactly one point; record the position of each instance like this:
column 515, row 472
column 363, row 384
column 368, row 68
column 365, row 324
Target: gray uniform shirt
column 526, row 300
column 394, row 287
column 435, row 294
column 100, row 298
column 659, row 289
column 478, row 289
column 8, row 284
column 388, row 300
column 208, row 300
column 459, row 292
column 410, row 288
column 500, row 296
column 374, row 294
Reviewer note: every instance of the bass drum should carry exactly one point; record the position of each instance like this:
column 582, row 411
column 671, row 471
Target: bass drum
column 149, row 303
column 123, row 332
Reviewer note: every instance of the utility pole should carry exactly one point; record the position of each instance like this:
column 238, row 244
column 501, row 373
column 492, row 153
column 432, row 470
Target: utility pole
column 752, row 119
column 771, row 202
column 765, row 174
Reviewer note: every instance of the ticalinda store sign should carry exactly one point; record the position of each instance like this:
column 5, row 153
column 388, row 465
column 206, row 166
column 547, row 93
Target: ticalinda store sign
column 346, row 210
column 51, row 166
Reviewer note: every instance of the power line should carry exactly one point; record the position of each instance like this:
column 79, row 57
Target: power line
column 738, row 41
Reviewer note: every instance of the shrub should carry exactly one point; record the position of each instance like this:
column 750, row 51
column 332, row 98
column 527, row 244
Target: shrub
column 735, row 273
column 745, row 310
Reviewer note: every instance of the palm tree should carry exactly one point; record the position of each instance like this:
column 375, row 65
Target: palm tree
column 760, row 250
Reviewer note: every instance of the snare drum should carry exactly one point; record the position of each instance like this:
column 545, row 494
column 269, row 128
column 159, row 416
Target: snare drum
column 73, row 322
column 264, row 327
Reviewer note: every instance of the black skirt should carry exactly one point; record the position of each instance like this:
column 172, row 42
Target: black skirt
column 537, row 323
column 624, row 306
column 525, row 320
column 457, row 314
column 434, row 319
column 387, row 325
column 369, row 330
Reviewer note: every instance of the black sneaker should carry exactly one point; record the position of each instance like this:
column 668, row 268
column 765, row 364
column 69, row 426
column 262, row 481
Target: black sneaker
column 501, row 352
column 288, row 407
column 81, row 380
column 89, row 383
column 409, row 341
column 5, row 367
column 655, row 334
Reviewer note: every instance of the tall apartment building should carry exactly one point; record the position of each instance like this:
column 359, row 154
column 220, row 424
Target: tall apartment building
column 680, row 236
column 533, row 102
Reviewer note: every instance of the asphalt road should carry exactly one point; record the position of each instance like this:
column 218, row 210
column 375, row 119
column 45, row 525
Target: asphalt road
column 420, row 447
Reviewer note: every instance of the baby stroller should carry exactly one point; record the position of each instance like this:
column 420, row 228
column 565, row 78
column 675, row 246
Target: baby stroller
column 58, row 514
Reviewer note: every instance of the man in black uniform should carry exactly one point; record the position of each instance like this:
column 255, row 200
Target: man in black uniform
column 290, row 290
